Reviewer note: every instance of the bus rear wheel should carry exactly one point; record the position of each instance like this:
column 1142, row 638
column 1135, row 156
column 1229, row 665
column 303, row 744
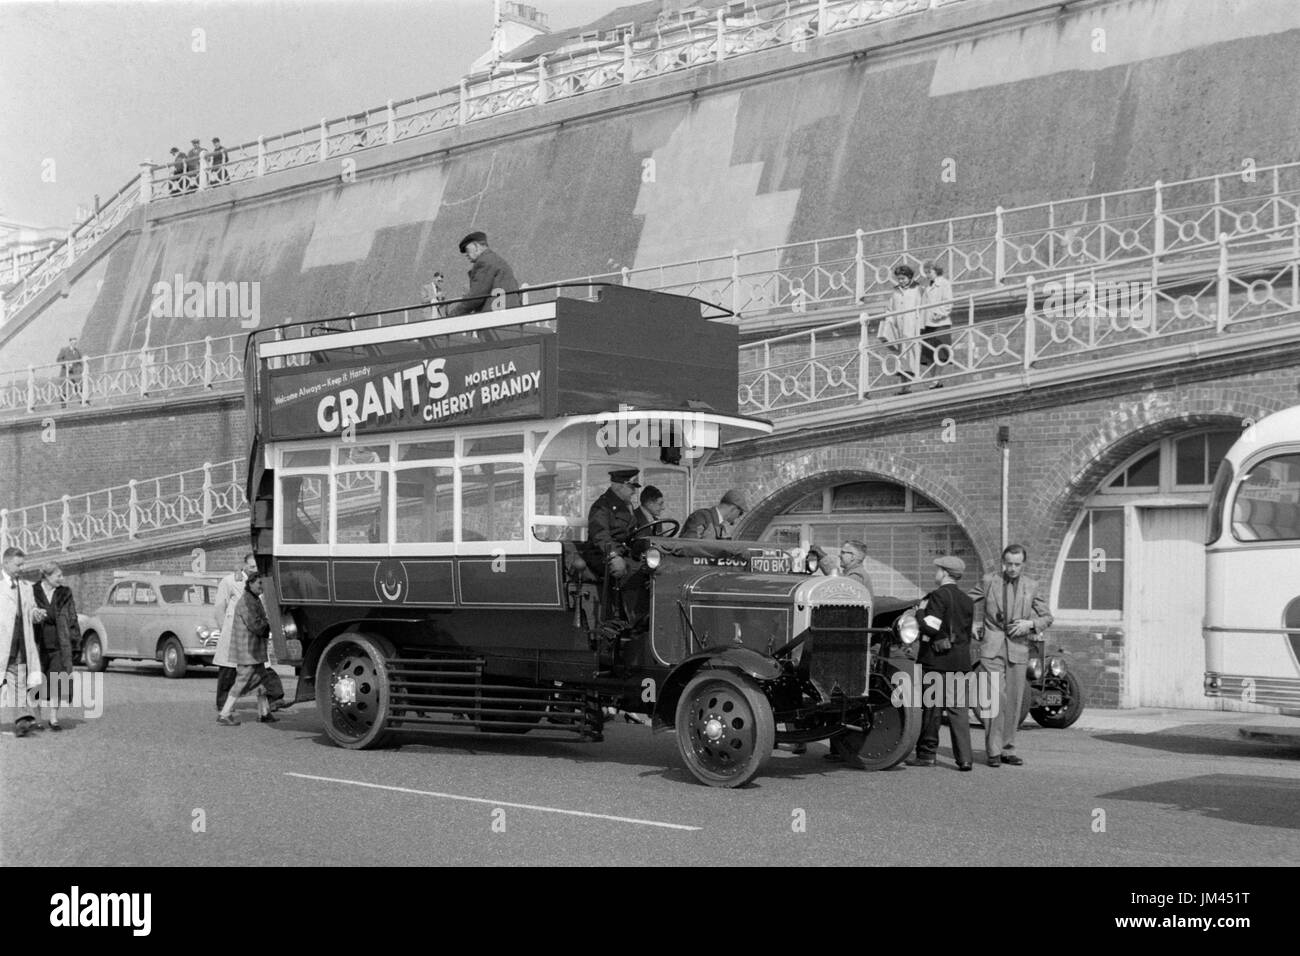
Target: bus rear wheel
column 353, row 690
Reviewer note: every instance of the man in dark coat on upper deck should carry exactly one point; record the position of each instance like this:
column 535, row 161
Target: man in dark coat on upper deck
column 490, row 279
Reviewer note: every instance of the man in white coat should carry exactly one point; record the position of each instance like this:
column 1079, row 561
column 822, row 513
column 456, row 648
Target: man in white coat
column 19, row 616
column 229, row 592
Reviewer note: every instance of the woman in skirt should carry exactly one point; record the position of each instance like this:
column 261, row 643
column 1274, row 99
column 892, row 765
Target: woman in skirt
column 58, row 640
column 248, row 633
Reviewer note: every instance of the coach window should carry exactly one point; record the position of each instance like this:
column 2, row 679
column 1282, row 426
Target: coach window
column 303, row 512
column 1267, row 505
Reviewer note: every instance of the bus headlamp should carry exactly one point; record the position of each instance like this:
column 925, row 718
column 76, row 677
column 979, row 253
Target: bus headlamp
column 652, row 558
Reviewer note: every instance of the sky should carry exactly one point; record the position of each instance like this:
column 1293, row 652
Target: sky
column 91, row 89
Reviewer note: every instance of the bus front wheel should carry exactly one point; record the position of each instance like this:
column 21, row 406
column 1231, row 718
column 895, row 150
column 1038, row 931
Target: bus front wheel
column 353, row 690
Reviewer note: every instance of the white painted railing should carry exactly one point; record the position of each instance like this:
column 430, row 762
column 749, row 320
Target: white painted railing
column 595, row 67
column 125, row 377
column 1253, row 286
column 985, row 250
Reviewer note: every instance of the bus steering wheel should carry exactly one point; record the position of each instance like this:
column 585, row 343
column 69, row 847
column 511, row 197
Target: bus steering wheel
column 672, row 533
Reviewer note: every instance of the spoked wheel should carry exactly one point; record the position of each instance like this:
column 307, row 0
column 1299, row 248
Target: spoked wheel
column 352, row 690
column 725, row 728
column 894, row 731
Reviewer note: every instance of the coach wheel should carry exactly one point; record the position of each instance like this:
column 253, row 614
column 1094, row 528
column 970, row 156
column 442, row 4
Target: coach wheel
column 353, row 690
column 173, row 658
column 93, row 653
column 893, row 732
column 725, row 728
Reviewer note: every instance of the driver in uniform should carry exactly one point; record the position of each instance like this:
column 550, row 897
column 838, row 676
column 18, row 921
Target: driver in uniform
column 610, row 523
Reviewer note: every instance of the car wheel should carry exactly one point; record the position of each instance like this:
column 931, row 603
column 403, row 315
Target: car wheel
column 173, row 658
column 93, row 652
column 725, row 728
column 894, row 731
column 1069, row 710
column 353, row 690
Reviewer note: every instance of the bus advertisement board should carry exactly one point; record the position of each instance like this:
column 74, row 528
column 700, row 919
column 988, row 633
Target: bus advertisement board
column 418, row 389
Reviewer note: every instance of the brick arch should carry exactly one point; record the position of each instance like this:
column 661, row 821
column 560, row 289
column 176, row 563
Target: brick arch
column 1126, row 431
column 824, row 470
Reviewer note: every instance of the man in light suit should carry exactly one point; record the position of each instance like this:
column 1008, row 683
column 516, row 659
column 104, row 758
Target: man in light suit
column 713, row 524
column 1012, row 611
column 19, row 655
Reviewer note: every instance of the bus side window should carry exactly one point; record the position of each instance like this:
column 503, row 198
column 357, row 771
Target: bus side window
column 362, row 498
column 492, row 501
column 425, row 505
column 304, row 508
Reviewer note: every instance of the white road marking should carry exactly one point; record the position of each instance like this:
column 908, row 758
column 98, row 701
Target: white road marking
column 494, row 803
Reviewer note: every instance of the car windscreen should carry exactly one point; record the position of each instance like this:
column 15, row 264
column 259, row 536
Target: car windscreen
column 188, row 593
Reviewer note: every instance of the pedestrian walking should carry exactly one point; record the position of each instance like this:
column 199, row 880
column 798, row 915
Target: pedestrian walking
column 19, row 653
column 936, row 302
column 901, row 327
column 59, row 640
column 945, row 624
column 72, row 367
column 217, row 172
column 250, row 629
column 177, row 184
column 1013, row 613
column 229, row 591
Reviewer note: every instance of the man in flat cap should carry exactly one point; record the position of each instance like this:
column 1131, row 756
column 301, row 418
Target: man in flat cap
column 712, row 524
column 490, row 279
column 192, row 161
column 609, row 525
column 945, row 622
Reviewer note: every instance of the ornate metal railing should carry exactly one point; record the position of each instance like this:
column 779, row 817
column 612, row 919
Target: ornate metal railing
column 134, row 511
column 592, row 68
column 148, row 508
column 986, row 250
column 125, row 377
column 1085, row 319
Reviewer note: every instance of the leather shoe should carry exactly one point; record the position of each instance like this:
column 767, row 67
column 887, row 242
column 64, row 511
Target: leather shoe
column 921, row 762
column 995, row 761
column 268, row 719
column 228, row 721
column 23, row 727
column 1012, row 759
column 964, row 767
column 56, row 728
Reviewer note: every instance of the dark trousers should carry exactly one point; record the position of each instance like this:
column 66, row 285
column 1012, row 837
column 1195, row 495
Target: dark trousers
column 936, row 347
column 958, row 730
column 225, row 681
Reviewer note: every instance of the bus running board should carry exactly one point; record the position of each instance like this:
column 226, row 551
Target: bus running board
column 428, row 693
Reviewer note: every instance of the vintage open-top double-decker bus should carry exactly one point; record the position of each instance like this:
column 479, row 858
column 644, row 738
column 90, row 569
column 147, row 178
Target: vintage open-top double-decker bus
column 419, row 489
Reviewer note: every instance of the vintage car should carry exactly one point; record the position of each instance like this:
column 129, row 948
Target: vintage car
column 1054, row 696
column 149, row 616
